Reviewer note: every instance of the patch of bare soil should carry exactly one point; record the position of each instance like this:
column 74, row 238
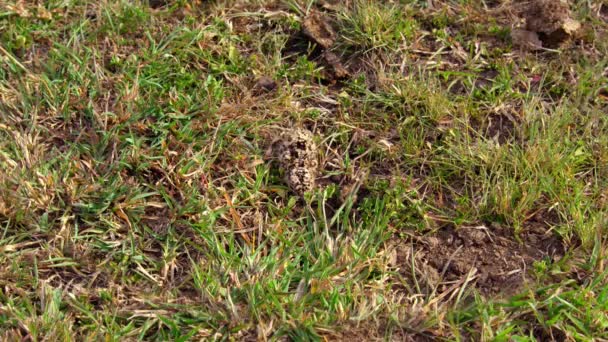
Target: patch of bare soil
column 490, row 258
column 157, row 219
column 371, row 334
column 485, row 80
column 382, row 328
column 500, row 127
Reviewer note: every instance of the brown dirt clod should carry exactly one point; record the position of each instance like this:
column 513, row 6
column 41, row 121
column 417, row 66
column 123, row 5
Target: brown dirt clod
column 318, row 29
column 546, row 16
column 550, row 20
column 298, row 156
column 339, row 71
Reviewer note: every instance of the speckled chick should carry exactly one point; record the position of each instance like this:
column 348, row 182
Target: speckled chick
column 546, row 16
column 300, row 179
column 298, row 156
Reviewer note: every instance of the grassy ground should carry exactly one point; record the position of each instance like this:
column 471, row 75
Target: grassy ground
column 137, row 201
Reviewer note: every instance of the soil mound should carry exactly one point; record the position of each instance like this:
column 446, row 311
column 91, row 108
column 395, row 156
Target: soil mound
column 548, row 25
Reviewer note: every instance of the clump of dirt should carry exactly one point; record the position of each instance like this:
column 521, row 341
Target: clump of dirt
column 548, row 25
column 336, row 65
column 492, row 258
column 297, row 154
column 318, row 29
column 546, row 16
